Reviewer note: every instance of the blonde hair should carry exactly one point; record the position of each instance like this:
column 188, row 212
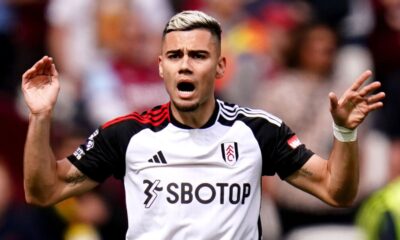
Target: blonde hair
column 189, row 20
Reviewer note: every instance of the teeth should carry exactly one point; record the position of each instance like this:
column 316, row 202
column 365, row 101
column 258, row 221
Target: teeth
column 185, row 94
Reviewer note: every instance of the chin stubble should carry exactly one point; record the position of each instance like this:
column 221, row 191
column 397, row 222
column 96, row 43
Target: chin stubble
column 189, row 108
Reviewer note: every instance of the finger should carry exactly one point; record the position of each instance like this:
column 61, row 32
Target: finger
column 54, row 70
column 376, row 97
column 39, row 66
column 35, row 70
column 48, row 67
column 28, row 73
column 333, row 100
column 360, row 80
column 375, row 106
column 45, row 63
column 369, row 88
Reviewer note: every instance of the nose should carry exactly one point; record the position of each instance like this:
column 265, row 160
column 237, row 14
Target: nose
column 185, row 67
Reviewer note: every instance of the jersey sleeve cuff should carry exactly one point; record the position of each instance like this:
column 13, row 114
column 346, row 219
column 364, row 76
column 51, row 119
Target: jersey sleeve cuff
column 85, row 170
column 290, row 169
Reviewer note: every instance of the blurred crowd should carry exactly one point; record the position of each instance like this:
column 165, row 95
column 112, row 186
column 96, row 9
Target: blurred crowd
column 282, row 56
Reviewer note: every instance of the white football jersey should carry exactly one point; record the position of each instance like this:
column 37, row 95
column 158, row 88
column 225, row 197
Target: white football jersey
column 185, row 183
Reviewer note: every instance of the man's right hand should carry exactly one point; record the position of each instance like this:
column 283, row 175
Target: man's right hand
column 40, row 86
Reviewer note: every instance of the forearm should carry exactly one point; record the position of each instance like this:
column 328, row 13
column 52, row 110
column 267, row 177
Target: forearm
column 46, row 181
column 40, row 175
column 343, row 172
column 335, row 180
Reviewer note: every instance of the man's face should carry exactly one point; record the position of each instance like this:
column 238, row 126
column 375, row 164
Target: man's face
column 189, row 64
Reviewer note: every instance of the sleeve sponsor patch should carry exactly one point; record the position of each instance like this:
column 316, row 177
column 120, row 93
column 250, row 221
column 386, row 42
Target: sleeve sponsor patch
column 90, row 140
column 79, row 153
column 294, row 142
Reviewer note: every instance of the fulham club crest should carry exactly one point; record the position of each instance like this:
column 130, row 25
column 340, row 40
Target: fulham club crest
column 230, row 152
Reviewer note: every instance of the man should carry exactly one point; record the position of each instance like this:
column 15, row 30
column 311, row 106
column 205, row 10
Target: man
column 192, row 167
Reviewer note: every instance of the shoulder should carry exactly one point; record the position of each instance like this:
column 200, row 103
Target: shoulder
column 153, row 118
column 230, row 113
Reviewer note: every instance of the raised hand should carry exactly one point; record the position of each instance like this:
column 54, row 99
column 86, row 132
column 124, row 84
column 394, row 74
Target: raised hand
column 40, row 86
column 356, row 102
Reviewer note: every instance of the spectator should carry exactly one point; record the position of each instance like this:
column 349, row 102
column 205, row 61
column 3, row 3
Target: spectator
column 17, row 220
column 254, row 45
column 385, row 49
column 379, row 216
column 127, row 79
column 312, row 74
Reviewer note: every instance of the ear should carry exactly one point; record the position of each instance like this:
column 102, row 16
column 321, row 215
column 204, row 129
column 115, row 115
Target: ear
column 160, row 69
column 221, row 67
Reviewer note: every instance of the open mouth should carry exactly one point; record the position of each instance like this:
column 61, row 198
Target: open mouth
column 186, row 87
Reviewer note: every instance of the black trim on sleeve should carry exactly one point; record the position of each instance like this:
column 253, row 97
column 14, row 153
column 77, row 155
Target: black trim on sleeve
column 278, row 156
column 288, row 159
column 304, row 155
column 85, row 170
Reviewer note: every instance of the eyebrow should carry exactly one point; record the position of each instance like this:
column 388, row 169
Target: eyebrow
column 190, row 51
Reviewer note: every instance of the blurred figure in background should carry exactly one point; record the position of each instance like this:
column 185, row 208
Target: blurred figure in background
column 126, row 79
column 313, row 71
column 14, row 127
column 23, row 30
column 7, row 26
column 17, row 220
column 72, row 35
column 72, row 41
column 379, row 216
column 255, row 41
column 385, row 48
column 233, row 18
column 81, row 33
column 308, row 77
column 254, row 44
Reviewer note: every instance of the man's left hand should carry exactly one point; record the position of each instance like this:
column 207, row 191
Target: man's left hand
column 356, row 102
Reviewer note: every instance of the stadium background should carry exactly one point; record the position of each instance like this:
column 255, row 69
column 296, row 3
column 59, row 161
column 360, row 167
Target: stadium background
column 283, row 57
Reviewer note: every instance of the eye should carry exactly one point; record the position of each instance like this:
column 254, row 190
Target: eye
column 198, row 56
column 173, row 56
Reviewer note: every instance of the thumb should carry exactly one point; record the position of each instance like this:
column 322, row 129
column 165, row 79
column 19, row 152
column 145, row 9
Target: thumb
column 333, row 101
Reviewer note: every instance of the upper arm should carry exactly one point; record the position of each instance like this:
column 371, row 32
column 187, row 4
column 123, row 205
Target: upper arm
column 312, row 177
column 71, row 181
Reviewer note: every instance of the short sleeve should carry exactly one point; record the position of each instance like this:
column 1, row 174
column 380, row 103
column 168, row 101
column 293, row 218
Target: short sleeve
column 281, row 149
column 101, row 156
column 289, row 153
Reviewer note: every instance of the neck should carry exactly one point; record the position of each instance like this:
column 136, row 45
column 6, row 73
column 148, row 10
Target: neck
column 196, row 118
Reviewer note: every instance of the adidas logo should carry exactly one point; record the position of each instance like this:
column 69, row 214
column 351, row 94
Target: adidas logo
column 158, row 158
